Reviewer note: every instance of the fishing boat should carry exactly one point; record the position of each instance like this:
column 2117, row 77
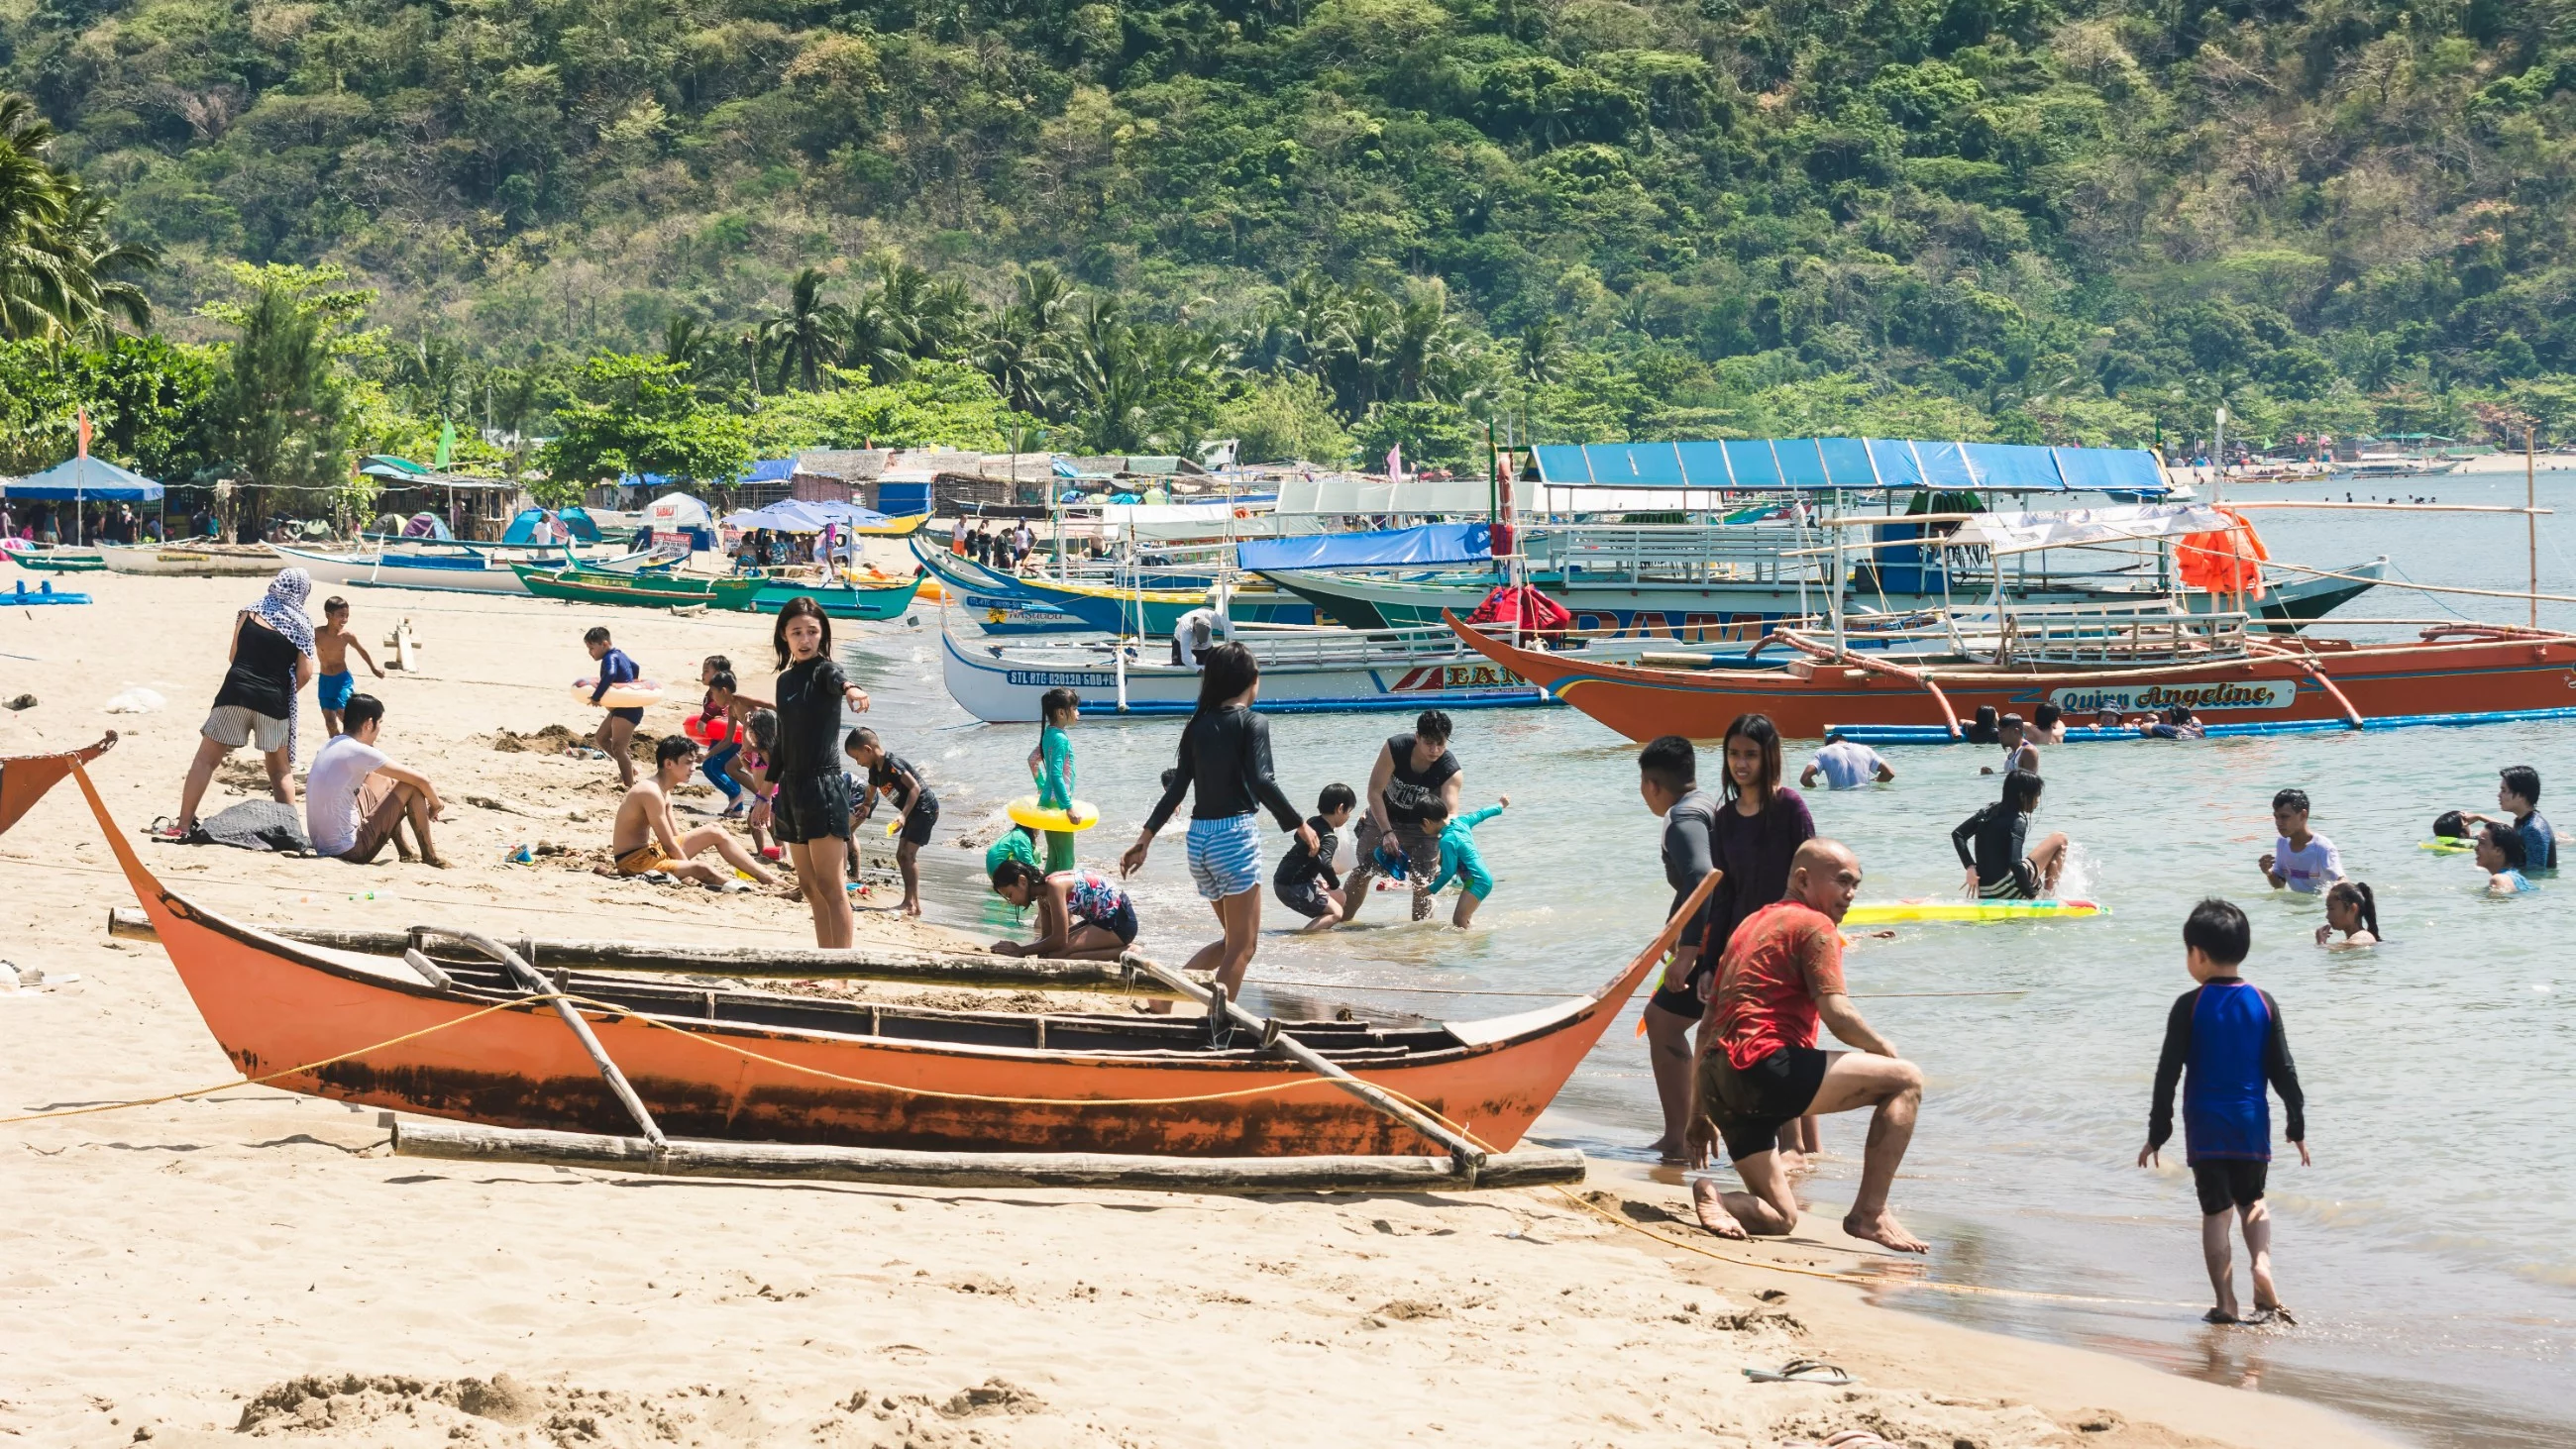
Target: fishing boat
column 191, row 560
column 652, row 588
column 1106, row 606
column 38, row 559
column 1933, row 673
column 847, row 598
column 472, row 1042
column 452, row 570
column 1319, row 671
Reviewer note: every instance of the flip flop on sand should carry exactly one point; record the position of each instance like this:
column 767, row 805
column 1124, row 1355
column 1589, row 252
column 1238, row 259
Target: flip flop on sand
column 1800, row 1371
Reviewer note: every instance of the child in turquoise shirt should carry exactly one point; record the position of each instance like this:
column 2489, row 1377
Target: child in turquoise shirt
column 1459, row 860
column 1053, row 764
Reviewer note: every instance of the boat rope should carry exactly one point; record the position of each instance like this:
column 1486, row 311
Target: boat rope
column 263, row 1080
column 1572, row 995
column 2425, row 588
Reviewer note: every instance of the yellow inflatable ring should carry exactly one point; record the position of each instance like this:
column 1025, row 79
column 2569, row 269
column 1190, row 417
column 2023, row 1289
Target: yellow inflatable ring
column 1894, row 912
column 2450, row 844
column 1080, row 815
column 633, row 695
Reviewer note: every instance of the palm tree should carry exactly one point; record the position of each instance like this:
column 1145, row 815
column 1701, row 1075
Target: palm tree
column 1108, row 375
column 101, row 264
column 684, row 337
column 807, row 334
column 61, row 274
column 878, row 341
column 1541, row 353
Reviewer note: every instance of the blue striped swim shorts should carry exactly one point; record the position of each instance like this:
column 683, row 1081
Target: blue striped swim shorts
column 1225, row 855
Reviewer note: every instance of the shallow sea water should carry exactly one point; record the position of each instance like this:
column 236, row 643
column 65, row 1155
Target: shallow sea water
column 2431, row 1251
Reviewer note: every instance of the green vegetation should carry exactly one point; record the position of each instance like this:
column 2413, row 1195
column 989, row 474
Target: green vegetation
column 692, row 233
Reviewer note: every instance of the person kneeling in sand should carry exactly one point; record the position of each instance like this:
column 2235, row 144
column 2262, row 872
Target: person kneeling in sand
column 1081, row 915
column 356, row 798
column 649, row 839
column 1760, row 1069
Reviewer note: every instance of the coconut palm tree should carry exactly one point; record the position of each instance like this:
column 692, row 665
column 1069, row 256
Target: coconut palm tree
column 36, row 282
column 808, row 332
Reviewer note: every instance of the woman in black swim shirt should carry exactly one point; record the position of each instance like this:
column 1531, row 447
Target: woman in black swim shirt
column 811, row 809
column 1225, row 757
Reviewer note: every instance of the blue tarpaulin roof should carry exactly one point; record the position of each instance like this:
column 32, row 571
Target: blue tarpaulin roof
column 1776, row 463
column 767, row 470
column 79, row 477
column 1436, row 543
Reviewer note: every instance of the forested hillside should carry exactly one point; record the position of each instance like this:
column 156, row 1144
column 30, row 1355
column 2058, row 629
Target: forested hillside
column 1344, row 223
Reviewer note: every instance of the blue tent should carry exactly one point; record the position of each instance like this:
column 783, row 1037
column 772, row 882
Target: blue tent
column 523, row 529
column 1430, row 545
column 82, row 478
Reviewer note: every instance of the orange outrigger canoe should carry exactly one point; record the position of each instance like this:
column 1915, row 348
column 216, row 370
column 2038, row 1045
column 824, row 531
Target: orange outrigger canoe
column 2453, row 671
column 747, row 1066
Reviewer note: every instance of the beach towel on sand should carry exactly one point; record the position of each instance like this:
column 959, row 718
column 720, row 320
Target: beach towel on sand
column 255, row 825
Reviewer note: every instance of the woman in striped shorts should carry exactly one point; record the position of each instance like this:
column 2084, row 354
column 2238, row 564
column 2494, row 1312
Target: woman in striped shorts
column 1225, row 756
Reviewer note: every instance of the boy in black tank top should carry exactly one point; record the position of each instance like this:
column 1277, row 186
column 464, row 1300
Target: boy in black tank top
column 1398, row 787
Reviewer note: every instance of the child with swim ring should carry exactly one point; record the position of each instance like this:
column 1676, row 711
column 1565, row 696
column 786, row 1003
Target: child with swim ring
column 1052, row 764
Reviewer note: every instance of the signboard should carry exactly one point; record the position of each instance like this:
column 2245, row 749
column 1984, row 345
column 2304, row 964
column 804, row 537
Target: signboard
column 2084, row 700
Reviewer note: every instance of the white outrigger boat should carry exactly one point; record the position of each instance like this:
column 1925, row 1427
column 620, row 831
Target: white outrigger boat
column 189, row 560
column 466, row 570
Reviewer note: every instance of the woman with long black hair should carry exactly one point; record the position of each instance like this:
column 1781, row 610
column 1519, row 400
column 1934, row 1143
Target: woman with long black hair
column 1225, row 759
column 1759, row 825
column 810, row 808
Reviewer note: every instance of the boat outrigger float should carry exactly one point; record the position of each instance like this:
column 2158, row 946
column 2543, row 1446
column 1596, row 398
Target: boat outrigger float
column 659, row 1075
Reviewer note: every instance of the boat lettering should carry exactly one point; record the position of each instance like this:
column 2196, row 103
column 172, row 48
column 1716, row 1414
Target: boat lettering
column 2275, row 694
column 1067, row 678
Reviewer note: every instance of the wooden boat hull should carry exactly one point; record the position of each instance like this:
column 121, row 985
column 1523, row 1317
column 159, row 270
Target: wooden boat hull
column 864, row 602
column 378, row 1039
column 182, row 560
column 1008, row 686
column 452, row 574
column 1028, row 600
column 2482, row 676
column 56, row 560
column 638, row 589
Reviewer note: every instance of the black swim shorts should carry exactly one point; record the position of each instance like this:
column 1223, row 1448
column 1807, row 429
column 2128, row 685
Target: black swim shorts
column 2225, row 1182
column 811, row 807
column 632, row 714
column 2021, row 885
column 917, row 825
column 1305, row 898
column 1749, row 1107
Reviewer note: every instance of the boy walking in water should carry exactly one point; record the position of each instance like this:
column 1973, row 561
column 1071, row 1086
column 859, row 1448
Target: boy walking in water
column 2228, row 1034
column 2300, row 860
column 1459, row 859
column 616, row 736
column 334, row 683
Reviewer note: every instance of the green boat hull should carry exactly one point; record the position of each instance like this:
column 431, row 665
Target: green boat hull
column 58, row 561
column 635, row 590
column 845, row 601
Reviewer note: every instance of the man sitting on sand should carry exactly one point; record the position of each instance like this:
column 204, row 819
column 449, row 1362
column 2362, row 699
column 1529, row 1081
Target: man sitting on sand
column 648, row 839
column 356, row 798
column 1760, row 1069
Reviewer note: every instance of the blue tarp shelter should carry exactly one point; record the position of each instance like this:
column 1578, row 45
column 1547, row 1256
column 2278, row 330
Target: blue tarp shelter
column 1431, row 545
column 80, row 479
column 1740, row 464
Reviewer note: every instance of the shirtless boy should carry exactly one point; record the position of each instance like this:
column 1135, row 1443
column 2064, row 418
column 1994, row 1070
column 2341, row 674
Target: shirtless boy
column 331, row 645
column 648, row 839
column 1760, row 1069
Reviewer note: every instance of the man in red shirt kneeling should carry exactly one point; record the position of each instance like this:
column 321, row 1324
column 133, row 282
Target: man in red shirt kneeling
column 1759, row 1066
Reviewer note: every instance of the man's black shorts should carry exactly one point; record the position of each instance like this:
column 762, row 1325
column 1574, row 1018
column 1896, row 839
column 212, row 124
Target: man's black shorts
column 2226, row 1182
column 1750, row 1107
column 812, row 807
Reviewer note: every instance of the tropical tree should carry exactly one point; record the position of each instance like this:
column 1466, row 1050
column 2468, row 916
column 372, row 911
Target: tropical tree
column 808, row 332
column 283, row 400
column 61, row 275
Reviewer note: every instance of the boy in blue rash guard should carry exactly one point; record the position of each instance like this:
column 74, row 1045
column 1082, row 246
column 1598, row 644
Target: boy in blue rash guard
column 2518, row 796
column 1459, row 859
column 616, row 734
column 2228, row 1033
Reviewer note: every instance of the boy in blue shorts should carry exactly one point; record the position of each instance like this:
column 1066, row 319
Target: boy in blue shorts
column 333, row 681
column 1459, row 860
column 2228, row 1033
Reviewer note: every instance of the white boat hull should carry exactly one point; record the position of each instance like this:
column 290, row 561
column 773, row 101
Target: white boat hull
column 395, row 571
column 178, row 560
column 1002, row 685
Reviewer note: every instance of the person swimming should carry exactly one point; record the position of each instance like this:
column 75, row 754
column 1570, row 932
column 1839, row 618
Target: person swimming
column 2352, row 910
column 2500, row 856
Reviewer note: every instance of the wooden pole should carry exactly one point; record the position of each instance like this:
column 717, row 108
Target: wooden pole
column 1470, row 1158
column 2530, row 517
column 466, row 1142
column 749, row 962
column 530, row 981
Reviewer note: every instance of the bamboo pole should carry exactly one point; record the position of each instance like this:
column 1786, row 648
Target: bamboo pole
column 749, row 962
column 2530, row 513
column 530, row 981
column 467, row 1142
column 1470, row 1158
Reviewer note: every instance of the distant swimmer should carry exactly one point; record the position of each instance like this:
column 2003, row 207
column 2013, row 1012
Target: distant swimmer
column 2518, row 796
column 1760, row 1070
column 1994, row 846
column 2228, row 1034
column 1845, row 765
column 2300, row 860
column 2019, row 752
column 2352, row 912
column 2500, row 856
column 2048, row 725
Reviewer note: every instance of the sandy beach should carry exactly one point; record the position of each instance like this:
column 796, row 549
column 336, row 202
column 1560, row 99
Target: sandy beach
column 254, row 1263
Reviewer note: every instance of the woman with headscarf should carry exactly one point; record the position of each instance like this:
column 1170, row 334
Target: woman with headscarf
column 272, row 661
